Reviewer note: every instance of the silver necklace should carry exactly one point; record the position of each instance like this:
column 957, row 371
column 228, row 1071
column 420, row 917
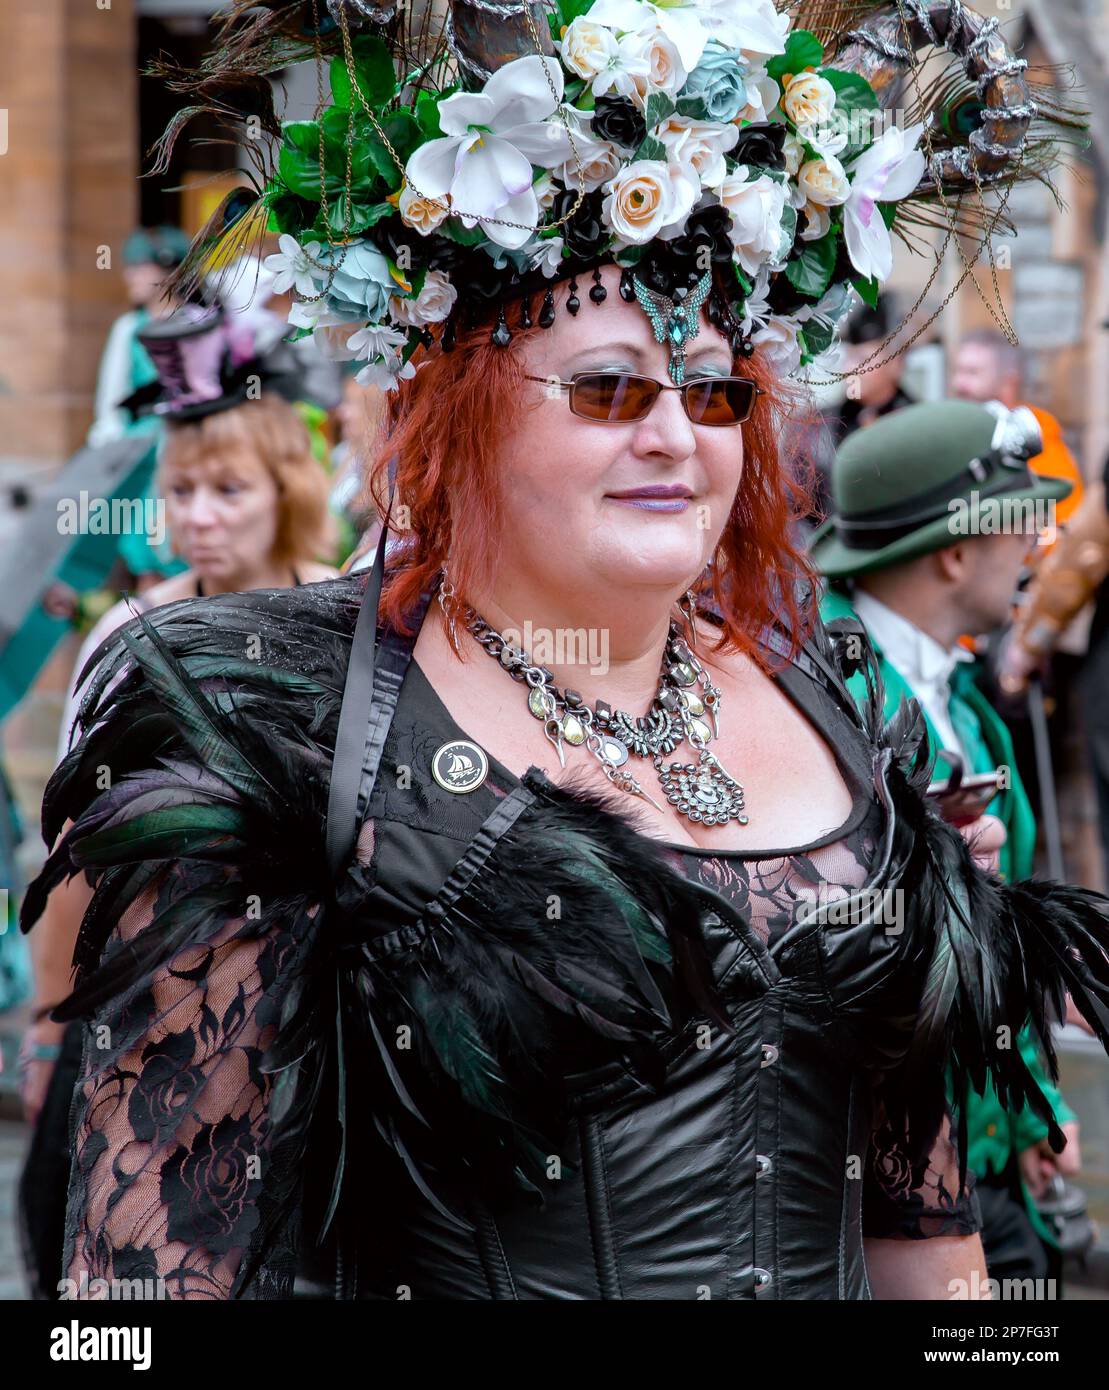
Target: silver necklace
column 702, row 791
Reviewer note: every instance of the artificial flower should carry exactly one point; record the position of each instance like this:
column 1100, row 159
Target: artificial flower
column 717, row 83
column 665, row 72
column 887, row 172
column 291, row 266
column 808, row 100
column 490, row 141
column 756, row 206
column 680, row 24
column 424, row 214
column 387, row 374
column 700, row 145
column 432, row 305
column 587, row 48
column 762, row 98
column 823, row 181
column 648, row 199
column 547, row 255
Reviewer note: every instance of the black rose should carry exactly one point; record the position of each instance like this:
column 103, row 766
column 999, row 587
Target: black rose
column 617, row 120
column 761, row 145
column 207, row 1189
column 164, row 1087
column 400, row 243
column 584, row 233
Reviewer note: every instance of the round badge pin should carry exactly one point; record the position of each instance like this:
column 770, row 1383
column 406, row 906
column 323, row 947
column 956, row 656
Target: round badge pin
column 460, row 766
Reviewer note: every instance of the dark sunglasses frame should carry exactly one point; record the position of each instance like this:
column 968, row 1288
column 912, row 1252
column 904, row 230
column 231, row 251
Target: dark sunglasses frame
column 660, row 386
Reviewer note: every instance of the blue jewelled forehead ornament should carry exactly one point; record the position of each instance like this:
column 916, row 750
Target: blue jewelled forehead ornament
column 675, row 321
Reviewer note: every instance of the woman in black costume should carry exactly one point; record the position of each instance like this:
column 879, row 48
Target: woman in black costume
column 412, row 976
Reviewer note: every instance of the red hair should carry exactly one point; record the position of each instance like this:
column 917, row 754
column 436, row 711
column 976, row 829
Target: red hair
column 442, row 427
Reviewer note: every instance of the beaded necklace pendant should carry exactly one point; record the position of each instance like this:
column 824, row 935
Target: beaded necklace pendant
column 675, row 321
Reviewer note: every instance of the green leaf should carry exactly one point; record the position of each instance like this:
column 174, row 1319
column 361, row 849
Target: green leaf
column 362, row 215
column 659, row 107
column 289, row 213
column 465, row 236
column 587, row 101
column 403, row 132
column 855, row 100
column 693, row 107
column 427, row 116
column 803, row 50
column 819, row 335
column 373, row 70
column 651, row 149
column 300, row 172
column 810, row 273
column 889, row 213
column 569, row 10
column 869, row 290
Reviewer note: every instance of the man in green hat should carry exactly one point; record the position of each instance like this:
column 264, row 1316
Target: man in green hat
column 933, row 511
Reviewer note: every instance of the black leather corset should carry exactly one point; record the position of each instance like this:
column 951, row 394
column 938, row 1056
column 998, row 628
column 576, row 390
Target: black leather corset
column 740, row 1177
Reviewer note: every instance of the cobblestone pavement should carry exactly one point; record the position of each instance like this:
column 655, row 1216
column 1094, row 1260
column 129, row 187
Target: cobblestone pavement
column 13, row 1142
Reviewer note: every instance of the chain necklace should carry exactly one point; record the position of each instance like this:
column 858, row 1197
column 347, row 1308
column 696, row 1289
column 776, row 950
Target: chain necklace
column 702, row 791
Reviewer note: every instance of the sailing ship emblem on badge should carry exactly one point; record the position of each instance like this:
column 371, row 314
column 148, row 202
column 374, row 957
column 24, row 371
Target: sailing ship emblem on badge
column 460, row 766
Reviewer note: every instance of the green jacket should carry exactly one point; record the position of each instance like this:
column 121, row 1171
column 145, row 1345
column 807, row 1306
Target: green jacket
column 993, row 1133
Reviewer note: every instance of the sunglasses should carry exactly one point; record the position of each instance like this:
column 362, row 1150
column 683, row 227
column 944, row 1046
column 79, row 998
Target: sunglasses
column 621, row 397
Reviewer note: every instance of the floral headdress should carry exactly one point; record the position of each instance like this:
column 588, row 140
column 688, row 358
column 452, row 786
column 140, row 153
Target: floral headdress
column 721, row 152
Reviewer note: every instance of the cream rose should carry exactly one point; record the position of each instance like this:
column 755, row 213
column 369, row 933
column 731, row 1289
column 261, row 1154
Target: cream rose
column 808, row 100
column 647, row 199
column 824, row 182
column 587, row 48
column 424, row 214
column 432, row 305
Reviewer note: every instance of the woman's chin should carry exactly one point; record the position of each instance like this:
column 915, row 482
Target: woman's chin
column 656, row 559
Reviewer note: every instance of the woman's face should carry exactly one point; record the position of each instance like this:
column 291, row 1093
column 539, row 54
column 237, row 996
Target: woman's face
column 222, row 513
column 580, row 484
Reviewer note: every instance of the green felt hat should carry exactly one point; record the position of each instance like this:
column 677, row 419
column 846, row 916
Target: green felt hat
column 921, row 478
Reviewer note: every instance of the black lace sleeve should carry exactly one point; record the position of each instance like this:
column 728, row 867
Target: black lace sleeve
column 907, row 1201
column 174, row 1176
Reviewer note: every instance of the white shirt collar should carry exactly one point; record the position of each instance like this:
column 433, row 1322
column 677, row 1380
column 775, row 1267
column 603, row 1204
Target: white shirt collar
column 924, row 664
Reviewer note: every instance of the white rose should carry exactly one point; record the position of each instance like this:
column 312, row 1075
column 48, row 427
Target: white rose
column 762, row 98
column 424, row 214
column 700, row 145
column 664, row 70
column 794, row 152
column 808, row 100
column 587, row 48
column 600, row 162
column 778, row 342
column 756, row 211
column 432, row 305
column 823, row 181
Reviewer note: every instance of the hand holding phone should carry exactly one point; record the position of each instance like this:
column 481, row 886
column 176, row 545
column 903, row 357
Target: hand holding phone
column 960, row 802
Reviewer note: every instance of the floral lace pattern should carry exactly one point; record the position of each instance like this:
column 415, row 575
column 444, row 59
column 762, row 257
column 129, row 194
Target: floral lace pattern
column 172, row 1132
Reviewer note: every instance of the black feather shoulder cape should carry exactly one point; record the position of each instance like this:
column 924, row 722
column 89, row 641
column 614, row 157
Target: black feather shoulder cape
column 197, row 803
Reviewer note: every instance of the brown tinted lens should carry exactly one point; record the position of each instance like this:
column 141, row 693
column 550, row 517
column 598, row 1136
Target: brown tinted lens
column 724, row 401
column 612, row 396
